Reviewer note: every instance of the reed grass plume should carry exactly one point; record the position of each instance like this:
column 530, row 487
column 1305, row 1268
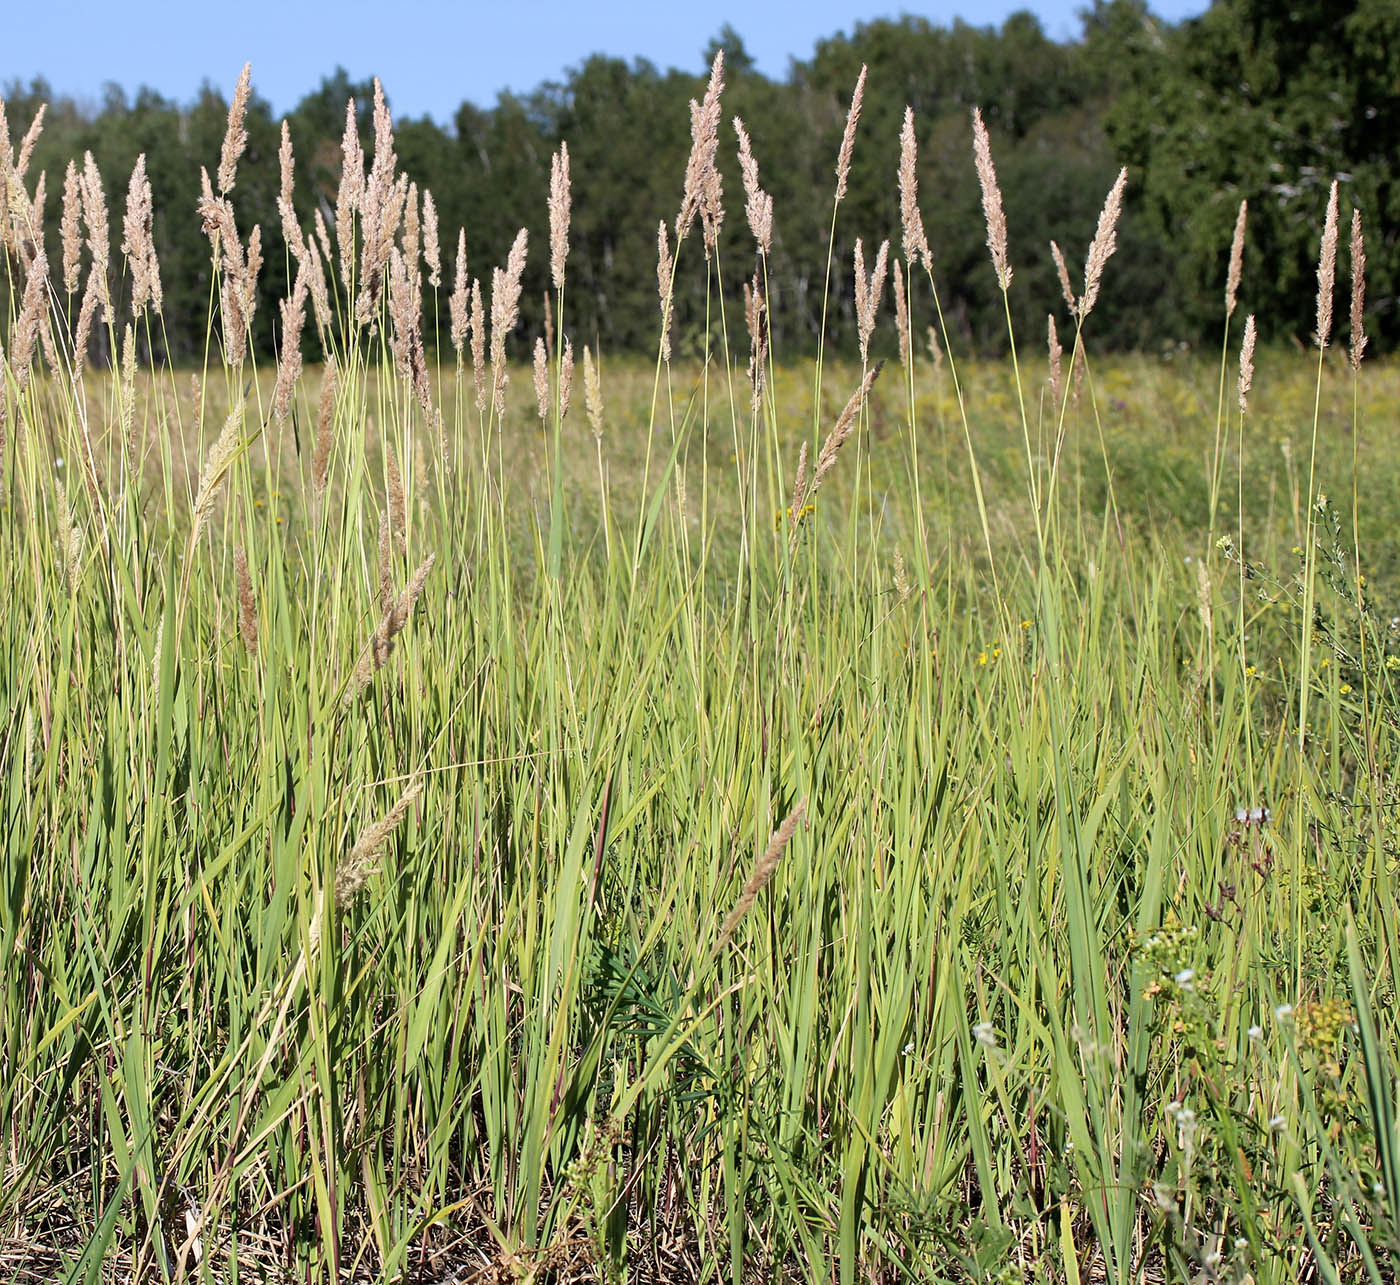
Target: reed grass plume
column 138, row 244
column 1105, row 241
column 221, row 455
column 235, row 135
column 1246, row 380
column 291, row 229
column 363, row 858
column 70, row 228
column 763, row 870
column 912, row 221
column 566, row 378
column 385, row 550
column 505, row 311
column 1062, row 271
column 392, row 623
column 868, row 292
column 398, row 502
column 1056, row 353
column 560, row 204
column 992, row 209
column 478, row 346
column 1358, row 291
column 541, row 379
column 759, row 204
column 247, row 607
column 840, row 431
column 700, row 196
column 293, row 310
column 94, row 204
column 848, row 137
column 1327, row 270
column 593, row 394
column 755, row 309
column 127, row 396
column 70, row 537
column 325, row 429
column 349, row 195
column 901, row 316
column 665, row 267
column 1236, row 269
column 432, row 246
column 459, row 301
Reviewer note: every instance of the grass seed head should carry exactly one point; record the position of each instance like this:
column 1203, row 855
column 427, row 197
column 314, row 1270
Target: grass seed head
column 915, row 242
column 1327, row 270
column 848, row 136
column 1358, row 291
column 1232, row 277
column 992, row 209
column 235, row 135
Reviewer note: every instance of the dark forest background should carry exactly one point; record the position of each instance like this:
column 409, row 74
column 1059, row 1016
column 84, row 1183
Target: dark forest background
column 1252, row 100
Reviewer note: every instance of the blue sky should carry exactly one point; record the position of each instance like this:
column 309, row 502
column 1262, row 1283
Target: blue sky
column 432, row 54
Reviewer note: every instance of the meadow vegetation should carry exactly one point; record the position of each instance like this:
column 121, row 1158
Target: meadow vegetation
column 707, row 819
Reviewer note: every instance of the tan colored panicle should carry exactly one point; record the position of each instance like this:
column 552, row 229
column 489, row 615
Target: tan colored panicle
column 901, row 315
column 915, row 242
column 28, row 325
column 868, row 292
column 1246, row 363
column 755, row 307
column 701, row 190
column 848, row 136
column 548, row 322
column 432, row 250
column 1236, row 270
column 592, row 395
column 759, row 204
column 1056, row 352
column 459, row 301
column 325, row 423
column 386, row 563
column 1358, row 291
column 95, row 216
column 992, row 209
column 128, row 387
column 1327, row 270
column 87, row 315
column 350, row 195
column 799, row 483
column 70, row 535
column 70, row 230
column 323, row 238
column 320, row 294
column 391, row 624
column 412, row 229
column 216, row 464
column 665, row 268
column 26, row 144
column 235, row 135
column 560, row 203
column 363, row 860
column 136, row 237
column 398, row 505
column 840, row 432
column 291, row 229
column 293, row 311
column 505, row 312
column 541, row 379
column 247, row 607
column 1105, row 241
column 1062, row 271
column 566, row 378
column 478, row 345
column 763, row 870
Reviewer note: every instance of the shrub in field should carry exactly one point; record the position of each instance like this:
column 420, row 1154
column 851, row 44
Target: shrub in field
column 763, row 824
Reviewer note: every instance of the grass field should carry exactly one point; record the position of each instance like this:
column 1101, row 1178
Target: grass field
column 718, row 834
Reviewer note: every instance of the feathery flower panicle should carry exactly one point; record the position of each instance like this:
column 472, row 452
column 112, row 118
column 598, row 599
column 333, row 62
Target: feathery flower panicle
column 848, row 137
column 1105, row 241
column 386, row 563
column 664, row 269
column 505, row 312
column 1062, row 271
column 235, row 136
column 592, row 395
column 901, row 315
column 701, row 177
column 755, row 306
column 325, row 423
column 291, row 229
column 566, row 379
column 763, row 870
column 1358, row 291
column 432, row 251
column 70, row 231
column 293, row 311
column 1327, row 270
column 1246, row 363
column 459, row 301
column 478, row 345
column 323, row 238
column 548, row 322
column 868, row 292
column 799, row 482
column 991, row 199
column 351, row 194
column 247, row 608
column 560, row 202
column 1236, row 270
column 381, row 645
column 137, row 243
column 216, row 464
column 759, row 204
column 26, row 145
column 840, row 432
column 411, row 229
column 320, row 295
column 398, row 502
column 127, row 368
column 1056, row 352
column 915, row 242
column 94, row 203
column 33, row 310
column 541, row 379
column 363, row 860
column 70, row 535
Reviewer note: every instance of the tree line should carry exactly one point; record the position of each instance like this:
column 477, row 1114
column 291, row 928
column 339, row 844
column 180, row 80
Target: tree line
column 1250, row 101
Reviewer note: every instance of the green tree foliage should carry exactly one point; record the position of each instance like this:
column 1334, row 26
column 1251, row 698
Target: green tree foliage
column 1247, row 101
